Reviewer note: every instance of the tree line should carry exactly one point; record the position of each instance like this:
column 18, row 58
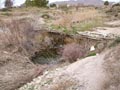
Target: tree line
column 37, row 3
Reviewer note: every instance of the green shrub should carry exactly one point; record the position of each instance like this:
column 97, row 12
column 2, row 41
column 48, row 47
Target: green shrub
column 91, row 54
column 36, row 3
column 106, row 3
column 53, row 5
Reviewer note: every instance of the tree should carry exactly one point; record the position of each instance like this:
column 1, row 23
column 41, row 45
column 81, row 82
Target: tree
column 106, row 3
column 8, row 3
column 29, row 3
column 53, row 5
column 37, row 3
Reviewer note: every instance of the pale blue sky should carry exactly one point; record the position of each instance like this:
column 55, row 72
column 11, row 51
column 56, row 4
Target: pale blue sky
column 18, row 2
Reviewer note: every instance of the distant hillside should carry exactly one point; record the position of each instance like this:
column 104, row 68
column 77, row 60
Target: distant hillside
column 83, row 2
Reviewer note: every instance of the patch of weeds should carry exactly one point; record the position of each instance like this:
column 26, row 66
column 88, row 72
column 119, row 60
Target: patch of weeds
column 6, row 14
column 65, row 30
column 5, row 10
column 88, row 25
column 53, row 27
column 60, row 28
column 74, row 30
column 91, row 54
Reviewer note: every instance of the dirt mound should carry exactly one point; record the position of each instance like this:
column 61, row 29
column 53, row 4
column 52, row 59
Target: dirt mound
column 16, row 70
column 99, row 72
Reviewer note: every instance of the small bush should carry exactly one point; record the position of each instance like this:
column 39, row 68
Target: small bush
column 72, row 52
column 106, row 3
column 53, row 5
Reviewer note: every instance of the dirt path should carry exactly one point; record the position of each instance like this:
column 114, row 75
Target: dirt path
column 113, row 23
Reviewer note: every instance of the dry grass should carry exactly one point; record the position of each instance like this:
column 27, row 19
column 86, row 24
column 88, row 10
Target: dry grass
column 72, row 52
column 72, row 20
column 68, row 19
column 16, row 70
column 17, row 36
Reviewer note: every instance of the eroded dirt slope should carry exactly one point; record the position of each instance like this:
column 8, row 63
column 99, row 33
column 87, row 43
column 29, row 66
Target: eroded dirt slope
column 99, row 72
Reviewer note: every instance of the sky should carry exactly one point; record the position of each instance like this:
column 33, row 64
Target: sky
column 18, row 2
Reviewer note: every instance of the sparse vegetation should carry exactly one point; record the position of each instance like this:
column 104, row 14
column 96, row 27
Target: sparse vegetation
column 91, row 54
column 72, row 21
column 18, row 36
column 6, row 14
column 72, row 52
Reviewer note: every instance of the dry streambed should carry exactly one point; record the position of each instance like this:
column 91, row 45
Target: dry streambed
column 99, row 72
column 16, row 69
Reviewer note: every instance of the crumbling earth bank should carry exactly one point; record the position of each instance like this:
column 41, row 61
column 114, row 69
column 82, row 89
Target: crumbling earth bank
column 16, row 70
